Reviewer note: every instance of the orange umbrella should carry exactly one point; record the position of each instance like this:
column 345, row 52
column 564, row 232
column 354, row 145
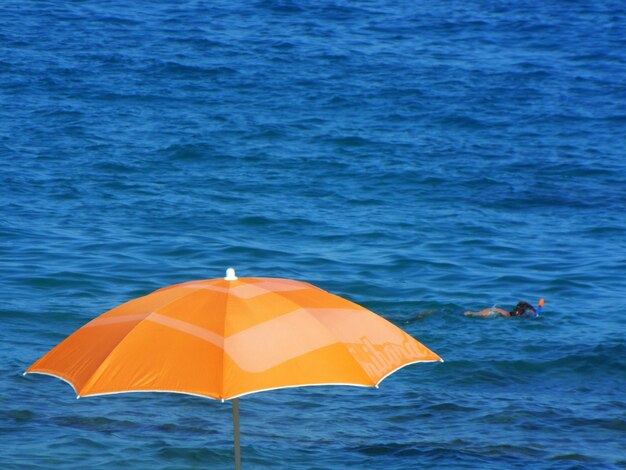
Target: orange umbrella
column 225, row 338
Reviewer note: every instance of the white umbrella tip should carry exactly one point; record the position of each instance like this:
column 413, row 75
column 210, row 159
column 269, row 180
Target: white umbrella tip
column 230, row 275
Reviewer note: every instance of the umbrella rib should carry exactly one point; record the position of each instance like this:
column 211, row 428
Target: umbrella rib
column 224, row 347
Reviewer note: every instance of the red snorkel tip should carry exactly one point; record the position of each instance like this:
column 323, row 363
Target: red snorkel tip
column 539, row 307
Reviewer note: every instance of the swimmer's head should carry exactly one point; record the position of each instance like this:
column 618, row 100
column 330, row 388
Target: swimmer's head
column 523, row 309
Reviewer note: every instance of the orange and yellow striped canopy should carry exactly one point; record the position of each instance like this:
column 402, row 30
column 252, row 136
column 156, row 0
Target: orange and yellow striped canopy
column 224, row 338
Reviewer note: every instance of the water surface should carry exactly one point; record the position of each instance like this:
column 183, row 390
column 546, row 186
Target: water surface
column 417, row 158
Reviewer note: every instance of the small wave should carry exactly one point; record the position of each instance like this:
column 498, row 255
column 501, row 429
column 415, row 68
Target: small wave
column 444, row 407
column 118, row 20
column 180, row 70
column 189, row 455
column 351, row 141
column 97, row 423
column 280, row 6
column 19, row 416
column 189, row 152
column 463, row 122
column 573, row 457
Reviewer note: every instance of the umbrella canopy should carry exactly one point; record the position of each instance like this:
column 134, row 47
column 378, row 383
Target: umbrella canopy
column 223, row 338
column 228, row 337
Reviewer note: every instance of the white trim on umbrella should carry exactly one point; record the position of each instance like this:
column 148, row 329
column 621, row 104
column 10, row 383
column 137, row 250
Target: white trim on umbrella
column 58, row 377
column 236, row 396
column 404, row 365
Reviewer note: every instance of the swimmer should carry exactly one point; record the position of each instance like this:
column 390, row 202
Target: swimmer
column 522, row 309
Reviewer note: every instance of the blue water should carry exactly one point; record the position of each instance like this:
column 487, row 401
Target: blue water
column 419, row 158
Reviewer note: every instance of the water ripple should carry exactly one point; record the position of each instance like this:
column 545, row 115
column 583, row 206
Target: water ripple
column 422, row 161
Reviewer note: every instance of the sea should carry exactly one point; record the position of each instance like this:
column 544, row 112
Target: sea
column 420, row 158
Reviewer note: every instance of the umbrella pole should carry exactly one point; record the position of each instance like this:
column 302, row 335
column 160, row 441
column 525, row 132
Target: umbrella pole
column 236, row 432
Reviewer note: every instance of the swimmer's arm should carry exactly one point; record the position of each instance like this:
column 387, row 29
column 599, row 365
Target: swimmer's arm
column 486, row 312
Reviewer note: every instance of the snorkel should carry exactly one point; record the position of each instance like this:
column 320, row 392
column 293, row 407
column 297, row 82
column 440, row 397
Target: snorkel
column 539, row 307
